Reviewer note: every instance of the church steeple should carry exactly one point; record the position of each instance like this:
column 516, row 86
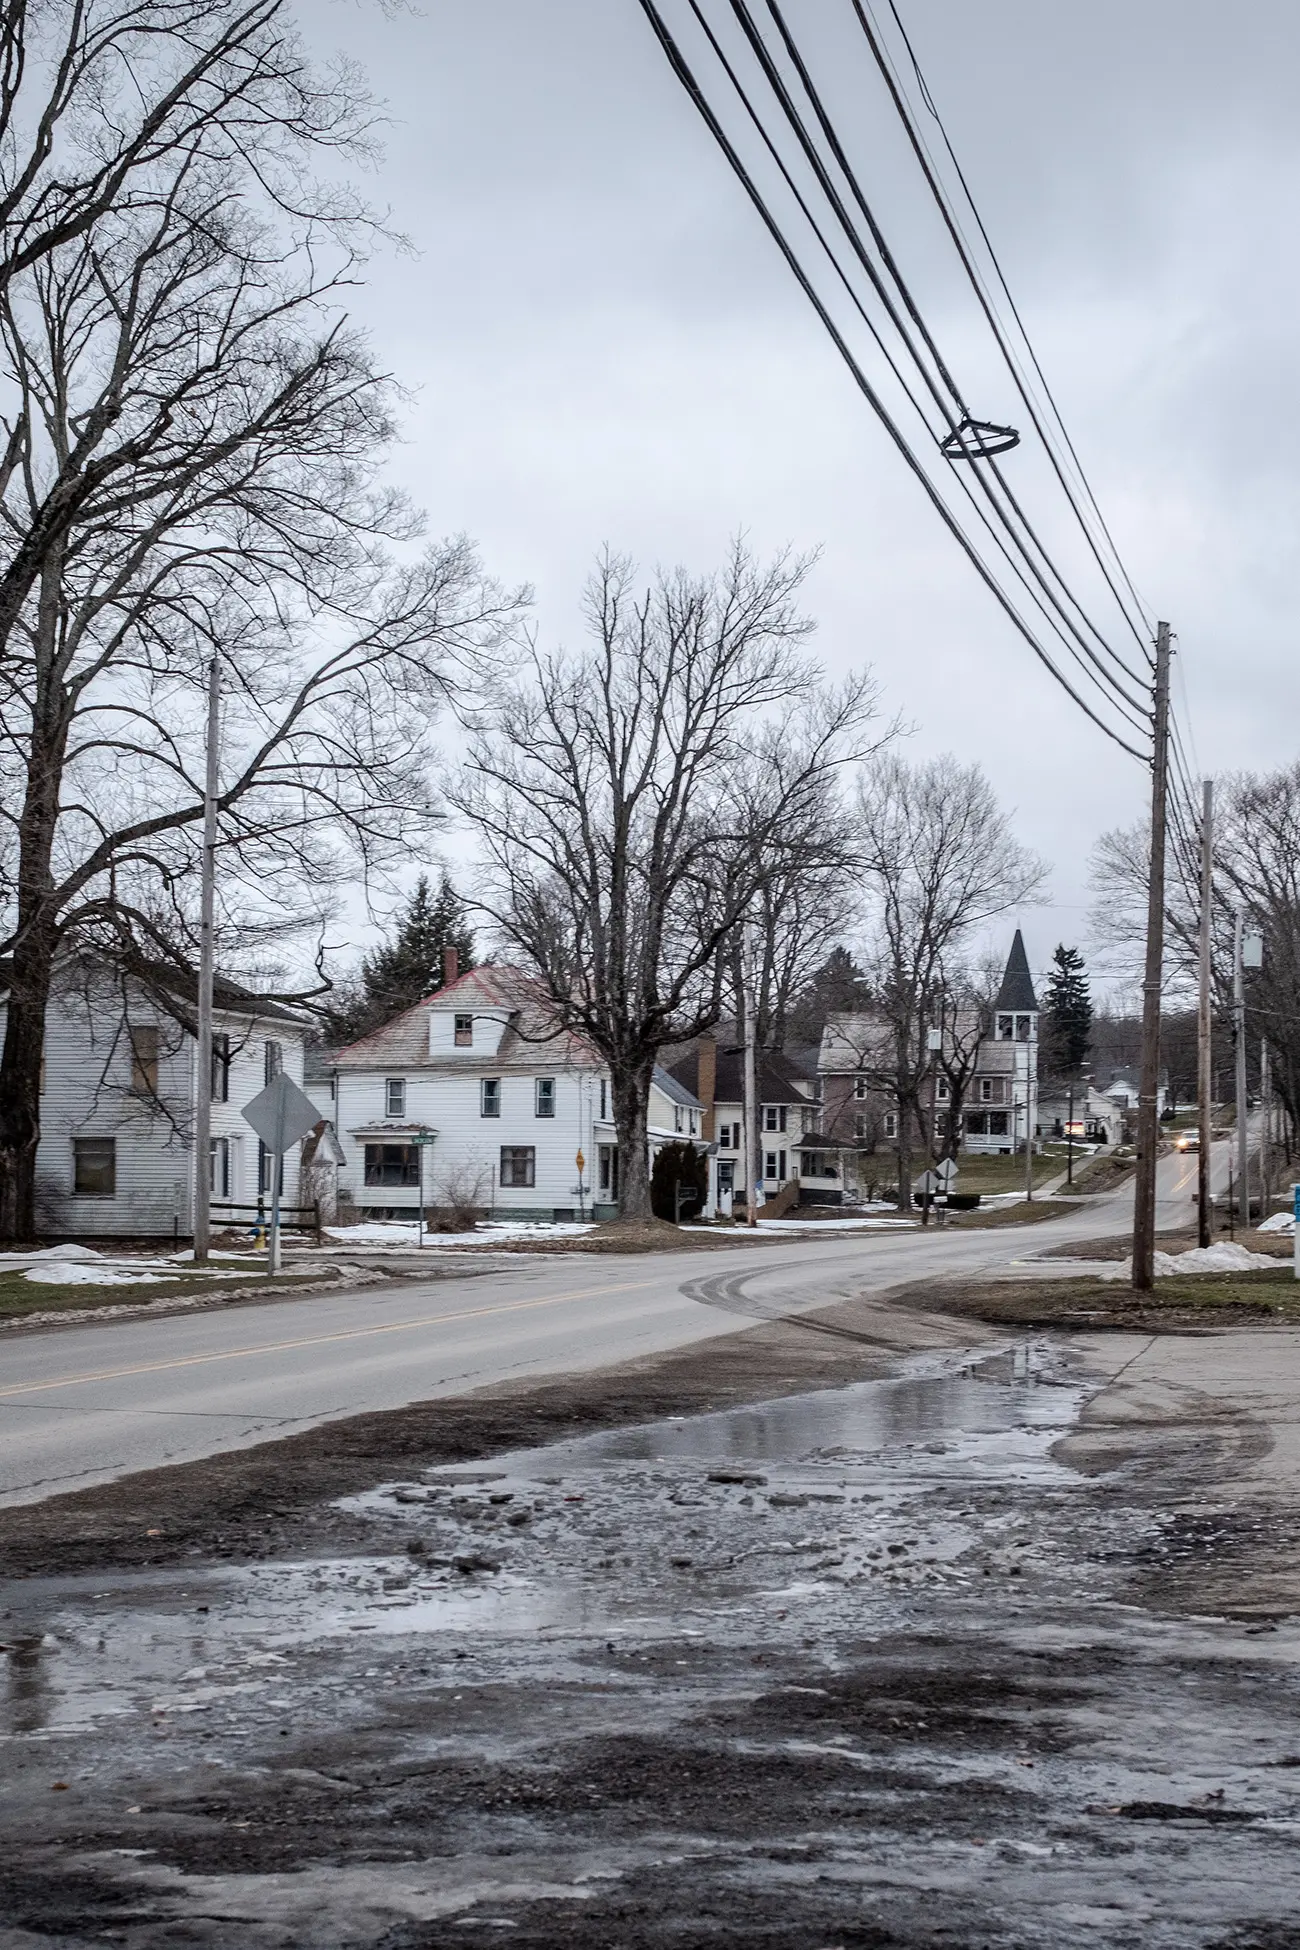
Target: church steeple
column 1017, row 991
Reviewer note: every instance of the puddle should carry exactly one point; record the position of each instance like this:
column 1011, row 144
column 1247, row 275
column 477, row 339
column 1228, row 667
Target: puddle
column 925, row 1423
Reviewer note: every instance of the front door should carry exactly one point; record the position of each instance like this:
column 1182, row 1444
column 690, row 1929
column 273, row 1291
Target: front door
column 726, row 1185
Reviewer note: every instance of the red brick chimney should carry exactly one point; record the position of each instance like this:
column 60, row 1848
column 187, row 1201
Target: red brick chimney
column 450, row 967
column 706, row 1081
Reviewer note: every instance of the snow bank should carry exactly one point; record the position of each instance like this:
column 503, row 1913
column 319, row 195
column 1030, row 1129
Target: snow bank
column 1226, row 1257
column 1280, row 1222
column 406, row 1233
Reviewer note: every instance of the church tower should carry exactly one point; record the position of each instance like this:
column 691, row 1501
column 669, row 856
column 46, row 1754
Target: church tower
column 1015, row 1021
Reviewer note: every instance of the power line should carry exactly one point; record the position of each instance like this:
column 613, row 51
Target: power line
column 1123, row 698
column 919, row 148
column 682, row 70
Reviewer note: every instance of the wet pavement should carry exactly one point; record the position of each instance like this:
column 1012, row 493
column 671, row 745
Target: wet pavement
column 871, row 1666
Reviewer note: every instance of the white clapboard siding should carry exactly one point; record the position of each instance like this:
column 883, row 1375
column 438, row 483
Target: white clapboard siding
column 87, row 1092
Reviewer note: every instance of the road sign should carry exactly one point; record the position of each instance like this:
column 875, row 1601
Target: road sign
column 425, row 1137
column 946, row 1173
column 280, row 1114
column 928, row 1184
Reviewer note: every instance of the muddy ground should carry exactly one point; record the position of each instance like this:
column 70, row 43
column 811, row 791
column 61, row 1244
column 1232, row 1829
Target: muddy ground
column 776, row 1641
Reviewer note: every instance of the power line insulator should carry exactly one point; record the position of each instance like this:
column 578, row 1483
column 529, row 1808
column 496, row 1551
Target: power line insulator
column 978, row 440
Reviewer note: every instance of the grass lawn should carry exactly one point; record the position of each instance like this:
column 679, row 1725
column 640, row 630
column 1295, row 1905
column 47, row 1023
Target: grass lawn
column 1179, row 1304
column 19, row 1296
column 996, row 1174
column 1022, row 1214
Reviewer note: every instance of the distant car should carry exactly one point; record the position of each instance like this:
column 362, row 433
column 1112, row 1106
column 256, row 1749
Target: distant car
column 1187, row 1141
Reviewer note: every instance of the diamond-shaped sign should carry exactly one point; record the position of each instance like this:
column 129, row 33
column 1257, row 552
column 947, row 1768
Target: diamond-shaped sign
column 281, row 1114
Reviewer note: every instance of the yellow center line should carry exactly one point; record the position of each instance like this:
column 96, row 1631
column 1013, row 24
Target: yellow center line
column 322, row 1340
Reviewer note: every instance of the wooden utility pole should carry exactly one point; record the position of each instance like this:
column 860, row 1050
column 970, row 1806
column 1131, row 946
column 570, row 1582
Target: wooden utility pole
column 1144, row 1207
column 1265, row 1119
column 753, row 1141
column 202, row 1224
column 1239, row 1051
column 1204, row 1025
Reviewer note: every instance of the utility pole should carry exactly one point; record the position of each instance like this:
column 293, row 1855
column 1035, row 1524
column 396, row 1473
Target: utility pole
column 1204, row 1024
column 1265, row 1119
column 1239, row 1040
column 749, row 1004
column 1144, row 1206
column 203, row 1052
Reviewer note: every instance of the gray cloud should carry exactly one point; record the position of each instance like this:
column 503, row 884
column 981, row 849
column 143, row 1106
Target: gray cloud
column 603, row 344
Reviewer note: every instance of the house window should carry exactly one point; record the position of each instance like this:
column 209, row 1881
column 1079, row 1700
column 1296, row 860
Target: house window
column 1022, row 1028
column 221, row 1069
column 545, row 1105
column 997, row 1123
column 266, row 1171
column 219, row 1167
column 604, row 1100
column 608, row 1164
column 518, row 1164
column 490, row 1097
column 677, row 1117
column 986, row 1090
column 272, row 1061
column 859, row 1088
column 769, row 1163
column 395, row 1097
column 774, row 1117
column 860, row 1126
column 144, row 1058
column 94, row 1167
column 891, row 1123
column 464, row 1032
column 1006, row 1028
column 392, row 1164
column 943, row 1093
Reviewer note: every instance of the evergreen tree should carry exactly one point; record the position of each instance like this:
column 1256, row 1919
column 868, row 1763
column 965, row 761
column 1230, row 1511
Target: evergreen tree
column 1067, row 1014
column 409, row 966
column 838, row 984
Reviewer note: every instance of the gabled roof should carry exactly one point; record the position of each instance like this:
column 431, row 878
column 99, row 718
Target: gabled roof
column 675, row 1091
column 1017, row 991
column 532, row 1039
column 778, row 1082
column 855, row 1039
column 180, row 984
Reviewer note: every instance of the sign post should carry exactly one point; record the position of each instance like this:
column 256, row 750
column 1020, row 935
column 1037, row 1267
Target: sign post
column 581, row 1162
column 422, row 1140
column 280, row 1115
column 1295, row 1207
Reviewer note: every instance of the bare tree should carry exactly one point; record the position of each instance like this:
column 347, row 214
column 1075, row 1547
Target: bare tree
column 628, row 829
column 938, row 860
column 1256, row 870
column 964, row 1015
column 193, row 444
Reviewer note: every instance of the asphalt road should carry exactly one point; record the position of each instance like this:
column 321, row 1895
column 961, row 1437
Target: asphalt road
column 88, row 1404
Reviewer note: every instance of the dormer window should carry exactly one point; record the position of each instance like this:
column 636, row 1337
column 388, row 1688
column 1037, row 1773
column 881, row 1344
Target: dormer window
column 464, row 1032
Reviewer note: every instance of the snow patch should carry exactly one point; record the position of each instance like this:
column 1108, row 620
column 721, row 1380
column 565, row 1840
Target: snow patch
column 1280, row 1222
column 1226, row 1257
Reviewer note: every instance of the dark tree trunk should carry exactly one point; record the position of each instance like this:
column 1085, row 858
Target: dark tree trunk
column 631, row 1118
column 36, row 937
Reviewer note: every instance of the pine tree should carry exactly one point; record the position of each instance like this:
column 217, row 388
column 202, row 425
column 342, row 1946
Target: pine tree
column 1067, row 1014
column 409, row 966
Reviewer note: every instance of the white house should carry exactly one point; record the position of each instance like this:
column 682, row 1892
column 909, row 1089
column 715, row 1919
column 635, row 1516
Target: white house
column 787, row 1116
column 475, row 1097
column 118, row 1088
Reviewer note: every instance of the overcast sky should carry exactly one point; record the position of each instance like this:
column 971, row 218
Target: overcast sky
column 602, row 344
